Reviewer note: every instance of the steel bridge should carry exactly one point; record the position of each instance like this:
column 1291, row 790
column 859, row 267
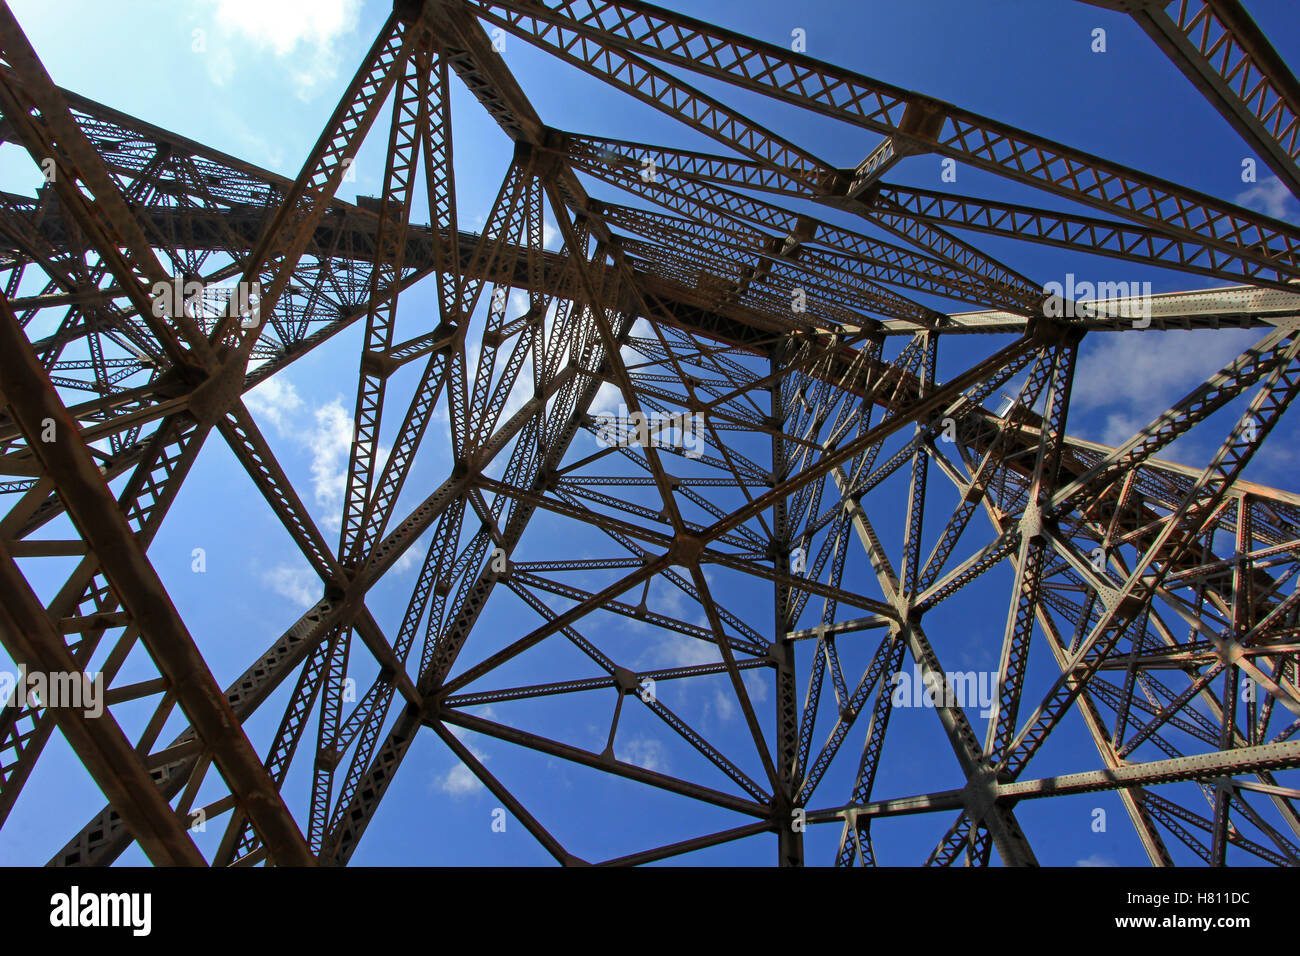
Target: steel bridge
column 840, row 477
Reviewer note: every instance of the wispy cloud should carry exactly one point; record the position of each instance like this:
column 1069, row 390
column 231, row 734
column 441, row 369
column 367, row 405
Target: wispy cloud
column 1269, row 196
column 1148, row 371
column 304, row 34
column 646, row 752
column 724, row 703
column 756, row 684
column 678, row 650
column 459, row 782
column 1120, row 427
column 326, row 433
column 608, row 398
column 330, row 442
column 413, row 555
column 1095, row 860
column 276, row 401
column 1125, row 380
column 298, row 584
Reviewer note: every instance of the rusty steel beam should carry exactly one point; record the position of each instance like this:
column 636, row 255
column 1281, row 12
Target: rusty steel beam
column 98, row 741
column 66, row 460
column 807, row 358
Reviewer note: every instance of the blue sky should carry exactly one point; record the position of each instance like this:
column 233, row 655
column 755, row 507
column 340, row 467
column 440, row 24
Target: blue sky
column 259, row 79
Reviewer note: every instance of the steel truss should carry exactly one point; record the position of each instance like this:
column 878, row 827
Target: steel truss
column 1145, row 593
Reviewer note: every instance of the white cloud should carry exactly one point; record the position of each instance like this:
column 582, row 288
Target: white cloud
column 678, row 650
column 412, row 555
column 1120, row 428
column 518, row 305
column 459, row 781
column 326, row 432
column 608, row 399
column 1095, row 860
column 221, row 65
column 646, row 752
column 724, row 704
column 275, row 400
column 671, row 649
column 1149, row 371
column 298, row 584
column 521, row 392
column 303, row 33
column 406, row 561
column 1269, row 196
column 330, row 442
